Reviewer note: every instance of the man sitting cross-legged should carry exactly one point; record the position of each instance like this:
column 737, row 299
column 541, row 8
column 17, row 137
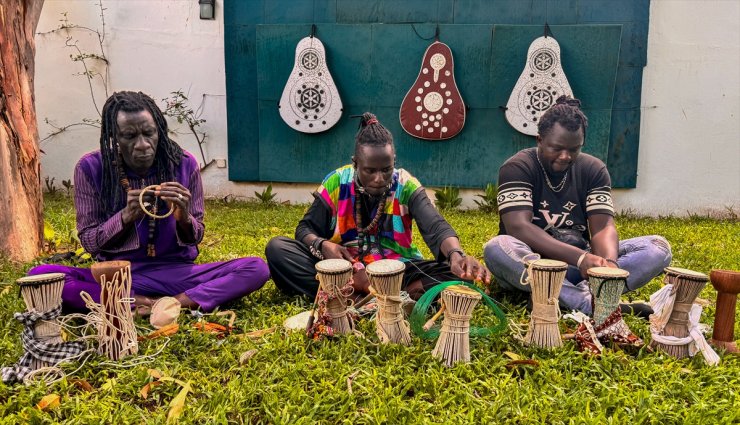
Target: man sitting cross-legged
column 364, row 212
column 556, row 201
column 136, row 152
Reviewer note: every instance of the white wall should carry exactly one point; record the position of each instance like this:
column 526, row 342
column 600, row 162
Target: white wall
column 689, row 159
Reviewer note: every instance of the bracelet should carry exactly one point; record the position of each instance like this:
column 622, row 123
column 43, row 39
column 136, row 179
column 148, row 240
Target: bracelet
column 580, row 259
column 452, row 251
column 315, row 248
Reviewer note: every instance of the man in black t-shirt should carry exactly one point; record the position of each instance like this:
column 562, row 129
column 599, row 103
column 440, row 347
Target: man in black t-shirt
column 556, row 202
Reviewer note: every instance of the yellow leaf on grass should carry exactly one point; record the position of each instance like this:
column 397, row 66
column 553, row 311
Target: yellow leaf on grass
column 512, row 356
column 154, row 373
column 48, row 231
column 109, row 384
column 6, row 289
column 48, row 402
column 178, row 404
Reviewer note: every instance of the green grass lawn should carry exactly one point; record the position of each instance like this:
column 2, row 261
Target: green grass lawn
column 293, row 380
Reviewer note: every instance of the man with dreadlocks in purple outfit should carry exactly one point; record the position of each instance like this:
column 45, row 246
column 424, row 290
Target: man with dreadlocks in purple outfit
column 363, row 212
column 136, row 152
column 556, row 201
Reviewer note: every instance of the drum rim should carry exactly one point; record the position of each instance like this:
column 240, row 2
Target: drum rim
column 554, row 264
column 369, row 268
column 40, row 279
column 608, row 272
column 463, row 291
column 336, row 271
column 679, row 272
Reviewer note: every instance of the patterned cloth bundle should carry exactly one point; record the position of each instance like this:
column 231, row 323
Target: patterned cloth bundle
column 41, row 336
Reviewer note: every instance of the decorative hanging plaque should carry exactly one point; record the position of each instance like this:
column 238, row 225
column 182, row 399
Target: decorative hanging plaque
column 310, row 102
column 433, row 108
column 541, row 83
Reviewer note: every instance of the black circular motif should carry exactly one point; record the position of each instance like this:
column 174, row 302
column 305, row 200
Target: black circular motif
column 311, row 98
column 543, row 60
column 310, row 60
column 540, row 100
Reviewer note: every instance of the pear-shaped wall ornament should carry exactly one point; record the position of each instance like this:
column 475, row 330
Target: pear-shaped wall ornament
column 541, row 83
column 433, row 108
column 310, row 102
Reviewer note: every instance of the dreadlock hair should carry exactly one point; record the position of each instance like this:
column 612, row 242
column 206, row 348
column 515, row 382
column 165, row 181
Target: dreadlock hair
column 372, row 133
column 166, row 158
column 567, row 112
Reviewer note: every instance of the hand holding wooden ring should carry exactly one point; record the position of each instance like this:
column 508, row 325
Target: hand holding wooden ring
column 154, row 215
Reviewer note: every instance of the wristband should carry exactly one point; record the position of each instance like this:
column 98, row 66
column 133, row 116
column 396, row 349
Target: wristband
column 452, row 251
column 315, row 248
column 580, row 259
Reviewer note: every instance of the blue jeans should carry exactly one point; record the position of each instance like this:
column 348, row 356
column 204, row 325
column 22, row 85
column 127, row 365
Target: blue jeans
column 644, row 258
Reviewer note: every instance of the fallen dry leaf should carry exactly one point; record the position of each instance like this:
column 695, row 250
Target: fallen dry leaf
column 144, row 391
column 48, row 402
column 82, row 384
column 259, row 333
column 154, row 373
column 163, row 331
column 244, row 358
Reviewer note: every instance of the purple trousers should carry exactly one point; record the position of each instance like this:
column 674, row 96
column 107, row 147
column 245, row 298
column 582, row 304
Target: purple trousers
column 209, row 285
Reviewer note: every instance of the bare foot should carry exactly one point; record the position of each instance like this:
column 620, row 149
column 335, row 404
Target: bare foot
column 143, row 305
column 186, row 302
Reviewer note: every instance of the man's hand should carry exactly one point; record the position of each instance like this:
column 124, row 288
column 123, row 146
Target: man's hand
column 332, row 250
column 132, row 211
column 178, row 195
column 469, row 268
column 591, row 260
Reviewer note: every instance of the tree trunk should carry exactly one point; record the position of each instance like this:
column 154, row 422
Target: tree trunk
column 21, row 204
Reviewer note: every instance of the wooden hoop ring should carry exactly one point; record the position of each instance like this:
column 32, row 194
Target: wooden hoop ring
column 152, row 188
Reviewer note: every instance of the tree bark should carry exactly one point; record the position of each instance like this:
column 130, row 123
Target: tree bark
column 21, row 203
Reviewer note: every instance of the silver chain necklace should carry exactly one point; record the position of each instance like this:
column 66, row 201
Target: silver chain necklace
column 561, row 185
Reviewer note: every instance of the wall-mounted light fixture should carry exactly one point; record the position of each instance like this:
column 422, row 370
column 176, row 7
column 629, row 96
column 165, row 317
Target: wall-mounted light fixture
column 207, row 9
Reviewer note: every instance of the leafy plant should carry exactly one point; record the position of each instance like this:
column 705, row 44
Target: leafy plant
column 51, row 188
column 68, row 186
column 177, row 106
column 448, row 198
column 266, row 196
column 489, row 199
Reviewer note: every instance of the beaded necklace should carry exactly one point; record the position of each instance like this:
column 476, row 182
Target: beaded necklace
column 560, row 185
column 363, row 232
column 150, row 250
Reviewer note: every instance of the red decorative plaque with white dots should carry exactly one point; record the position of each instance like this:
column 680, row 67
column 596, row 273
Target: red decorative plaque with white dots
column 433, row 108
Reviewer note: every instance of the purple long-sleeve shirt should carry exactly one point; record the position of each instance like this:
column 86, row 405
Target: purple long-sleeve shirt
column 106, row 237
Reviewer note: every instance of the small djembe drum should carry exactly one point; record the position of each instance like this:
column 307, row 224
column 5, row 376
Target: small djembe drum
column 334, row 276
column 546, row 279
column 453, row 344
column 386, row 277
column 607, row 285
column 116, row 332
column 687, row 284
column 727, row 284
column 43, row 293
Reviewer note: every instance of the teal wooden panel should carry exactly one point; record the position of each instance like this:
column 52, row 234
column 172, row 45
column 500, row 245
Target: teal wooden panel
column 241, row 89
column 374, row 63
column 242, row 12
column 623, row 149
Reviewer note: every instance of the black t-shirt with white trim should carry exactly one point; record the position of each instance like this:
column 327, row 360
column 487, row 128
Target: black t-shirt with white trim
column 587, row 191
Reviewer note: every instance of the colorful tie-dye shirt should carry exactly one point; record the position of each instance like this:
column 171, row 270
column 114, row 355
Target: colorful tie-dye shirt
column 395, row 228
